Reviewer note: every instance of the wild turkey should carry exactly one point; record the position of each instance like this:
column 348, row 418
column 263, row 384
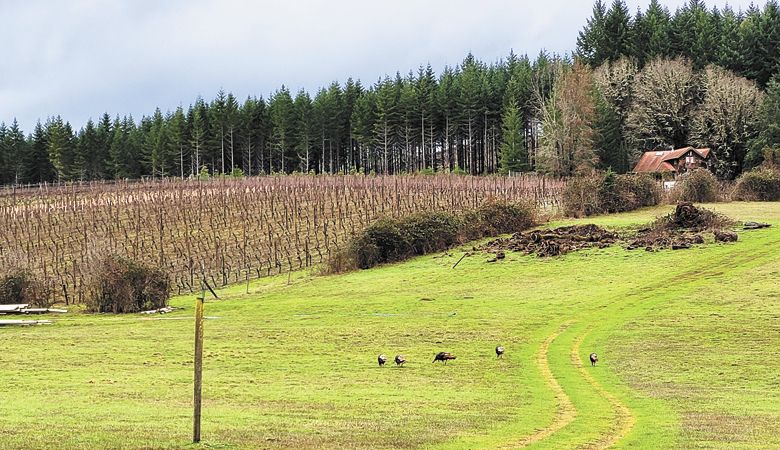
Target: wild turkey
column 443, row 356
column 499, row 351
column 382, row 359
column 400, row 360
column 593, row 359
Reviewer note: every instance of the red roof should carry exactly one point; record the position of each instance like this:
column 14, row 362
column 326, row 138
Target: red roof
column 663, row 161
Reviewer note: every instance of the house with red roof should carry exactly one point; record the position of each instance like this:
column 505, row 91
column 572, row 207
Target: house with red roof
column 674, row 162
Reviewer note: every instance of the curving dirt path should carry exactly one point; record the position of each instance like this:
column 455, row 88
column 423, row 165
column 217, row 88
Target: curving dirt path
column 624, row 420
column 565, row 413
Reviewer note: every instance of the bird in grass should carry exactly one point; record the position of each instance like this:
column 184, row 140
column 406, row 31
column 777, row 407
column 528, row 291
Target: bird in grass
column 594, row 358
column 500, row 351
column 382, row 359
column 443, row 356
column 400, row 360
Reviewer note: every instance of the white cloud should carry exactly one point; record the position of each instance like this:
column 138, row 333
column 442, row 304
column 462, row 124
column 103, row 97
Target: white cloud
column 79, row 58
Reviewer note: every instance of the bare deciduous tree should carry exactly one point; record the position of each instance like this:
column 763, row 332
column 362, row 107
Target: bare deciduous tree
column 567, row 118
column 728, row 119
column 615, row 81
column 666, row 93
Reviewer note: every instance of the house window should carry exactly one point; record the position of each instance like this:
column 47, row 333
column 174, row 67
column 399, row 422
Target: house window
column 690, row 160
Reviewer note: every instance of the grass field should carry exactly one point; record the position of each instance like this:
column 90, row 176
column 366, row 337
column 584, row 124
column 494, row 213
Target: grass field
column 688, row 342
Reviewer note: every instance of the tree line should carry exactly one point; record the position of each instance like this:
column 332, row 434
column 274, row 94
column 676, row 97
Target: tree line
column 598, row 107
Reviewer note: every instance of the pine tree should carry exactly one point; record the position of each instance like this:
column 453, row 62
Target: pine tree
column 591, row 42
column 102, row 159
column 14, row 147
column 363, row 118
column 62, row 151
column 351, row 93
column 767, row 53
column 88, row 151
column 385, row 125
column 614, row 97
column 728, row 47
column 768, row 139
column 425, row 90
column 608, row 142
column 176, row 124
column 470, row 106
column 218, row 125
column 37, row 167
column 514, row 156
column 641, row 34
column 750, row 53
column 197, row 122
column 256, row 132
column 617, row 32
column 446, row 94
column 409, row 132
column 283, row 135
column 231, row 119
column 658, row 22
column 304, row 129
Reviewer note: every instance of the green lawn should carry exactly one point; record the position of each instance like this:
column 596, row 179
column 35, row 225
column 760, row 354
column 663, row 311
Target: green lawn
column 688, row 342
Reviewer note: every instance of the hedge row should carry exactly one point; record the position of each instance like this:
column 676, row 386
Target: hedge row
column 391, row 240
column 606, row 192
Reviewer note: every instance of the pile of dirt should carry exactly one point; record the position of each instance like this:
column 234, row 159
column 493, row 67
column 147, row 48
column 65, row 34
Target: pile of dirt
column 552, row 242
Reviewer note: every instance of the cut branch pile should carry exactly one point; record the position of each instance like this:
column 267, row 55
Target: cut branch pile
column 688, row 217
column 682, row 229
column 652, row 240
column 558, row 241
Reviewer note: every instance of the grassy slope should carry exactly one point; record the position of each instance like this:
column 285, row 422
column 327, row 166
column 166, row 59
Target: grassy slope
column 687, row 342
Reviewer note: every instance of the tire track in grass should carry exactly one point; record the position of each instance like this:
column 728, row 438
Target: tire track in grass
column 624, row 418
column 565, row 412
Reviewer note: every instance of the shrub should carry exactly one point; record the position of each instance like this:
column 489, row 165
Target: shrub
column 21, row 287
column 380, row 242
column 391, row 240
column 125, row 286
column 762, row 184
column 637, row 191
column 495, row 217
column 699, row 186
column 429, row 232
column 606, row 192
column 582, row 195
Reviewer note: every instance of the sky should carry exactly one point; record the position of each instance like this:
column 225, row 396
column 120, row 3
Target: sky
column 81, row 58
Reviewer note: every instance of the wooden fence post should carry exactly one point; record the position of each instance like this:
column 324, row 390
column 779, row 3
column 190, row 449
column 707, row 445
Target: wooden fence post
column 198, row 364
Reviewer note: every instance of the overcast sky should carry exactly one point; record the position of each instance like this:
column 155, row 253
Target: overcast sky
column 80, row 58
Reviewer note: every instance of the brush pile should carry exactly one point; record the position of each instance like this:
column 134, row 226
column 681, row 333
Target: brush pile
column 682, row 229
column 553, row 242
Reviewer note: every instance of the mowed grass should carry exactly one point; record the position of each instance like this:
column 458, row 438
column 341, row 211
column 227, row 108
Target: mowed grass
column 687, row 341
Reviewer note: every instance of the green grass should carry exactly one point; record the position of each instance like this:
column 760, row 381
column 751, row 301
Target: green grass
column 687, row 340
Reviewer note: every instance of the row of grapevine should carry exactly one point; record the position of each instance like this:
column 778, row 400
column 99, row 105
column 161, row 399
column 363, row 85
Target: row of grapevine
column 227, row 230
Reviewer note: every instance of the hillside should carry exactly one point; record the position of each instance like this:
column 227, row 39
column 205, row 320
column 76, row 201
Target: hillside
column 686, row 339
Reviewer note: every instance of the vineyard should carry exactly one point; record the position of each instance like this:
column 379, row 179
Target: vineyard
column 225, row 230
